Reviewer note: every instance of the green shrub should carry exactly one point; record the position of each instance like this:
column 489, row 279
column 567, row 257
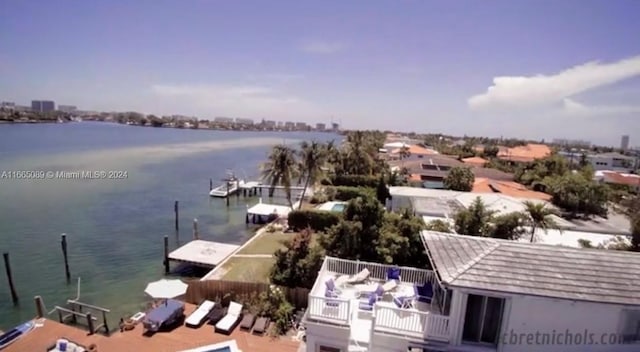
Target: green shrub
column 354, row 180
column 318, row 198
column 346, row 194
column 317, row 220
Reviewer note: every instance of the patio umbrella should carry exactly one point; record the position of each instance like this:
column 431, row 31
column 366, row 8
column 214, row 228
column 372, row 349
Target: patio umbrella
column 166, row 288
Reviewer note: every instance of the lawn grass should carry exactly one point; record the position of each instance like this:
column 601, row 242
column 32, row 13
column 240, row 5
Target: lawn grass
column 269, row 242
column 248, row 269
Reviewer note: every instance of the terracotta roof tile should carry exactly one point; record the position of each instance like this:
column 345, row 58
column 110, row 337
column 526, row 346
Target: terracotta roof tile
column 475, row 161
column 509, row 188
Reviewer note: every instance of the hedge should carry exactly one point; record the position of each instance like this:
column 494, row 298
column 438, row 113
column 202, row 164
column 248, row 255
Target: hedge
column 317, row 220
column 353, row 180
column 346, row 194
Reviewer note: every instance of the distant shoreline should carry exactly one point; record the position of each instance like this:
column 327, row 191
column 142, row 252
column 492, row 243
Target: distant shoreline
column 214, row 127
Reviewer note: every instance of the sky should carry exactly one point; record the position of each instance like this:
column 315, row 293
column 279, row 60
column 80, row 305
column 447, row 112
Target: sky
column 532, row 69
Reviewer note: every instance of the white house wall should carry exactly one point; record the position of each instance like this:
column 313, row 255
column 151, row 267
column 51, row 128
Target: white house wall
column 530, row 314
column 327, row 335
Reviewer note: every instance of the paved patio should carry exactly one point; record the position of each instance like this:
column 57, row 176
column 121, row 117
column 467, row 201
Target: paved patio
column 178, row 339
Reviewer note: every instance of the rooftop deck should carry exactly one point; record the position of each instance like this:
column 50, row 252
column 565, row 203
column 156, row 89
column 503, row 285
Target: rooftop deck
column 203, row 253
column 422, row 320
column 181, row 338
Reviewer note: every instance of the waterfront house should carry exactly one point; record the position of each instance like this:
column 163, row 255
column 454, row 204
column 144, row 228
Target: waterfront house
column 481, row 295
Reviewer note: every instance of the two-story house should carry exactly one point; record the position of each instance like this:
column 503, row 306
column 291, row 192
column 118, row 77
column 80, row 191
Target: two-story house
column 482, row 295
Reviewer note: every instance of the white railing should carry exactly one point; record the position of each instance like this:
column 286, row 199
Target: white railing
column 437, row 327
column 335, row 310
column 411, row 323
column 378, row 271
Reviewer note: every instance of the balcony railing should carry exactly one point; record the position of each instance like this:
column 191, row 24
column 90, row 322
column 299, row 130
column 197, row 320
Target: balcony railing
column 411, row 323
column 378, row 271
column 334, row 310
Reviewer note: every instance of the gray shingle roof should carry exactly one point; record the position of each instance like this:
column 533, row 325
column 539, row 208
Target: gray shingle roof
column 535, row 269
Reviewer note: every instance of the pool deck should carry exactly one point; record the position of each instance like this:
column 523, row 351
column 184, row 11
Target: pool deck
column 181, row 338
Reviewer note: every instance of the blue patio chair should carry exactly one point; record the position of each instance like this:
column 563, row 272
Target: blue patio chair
column 331, row 286
column 331, row 294
column 369, row 303
column 424, row 292
column 393, row 273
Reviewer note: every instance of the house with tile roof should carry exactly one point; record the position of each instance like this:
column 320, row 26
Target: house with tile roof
column 475, row 161
column 479, row 295
column 510, row 188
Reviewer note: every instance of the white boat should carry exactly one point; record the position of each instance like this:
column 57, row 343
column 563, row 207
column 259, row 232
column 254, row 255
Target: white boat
column 231, row 186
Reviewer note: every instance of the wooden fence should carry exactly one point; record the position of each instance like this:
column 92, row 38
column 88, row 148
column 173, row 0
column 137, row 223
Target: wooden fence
column 222, row 291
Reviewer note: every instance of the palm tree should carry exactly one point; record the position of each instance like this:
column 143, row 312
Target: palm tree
column 280, row 169
column 313, row 158
column 538, row 216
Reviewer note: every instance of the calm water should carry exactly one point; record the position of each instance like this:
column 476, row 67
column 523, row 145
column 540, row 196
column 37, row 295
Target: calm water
column 114, row 227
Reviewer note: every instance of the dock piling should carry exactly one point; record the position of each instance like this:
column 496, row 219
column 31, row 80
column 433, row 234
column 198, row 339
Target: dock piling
column 175, row 211
column 196, row 235
column 227, row 197
column 166, row 254
column 7, row 266
column 210, row 185
column 63, row 242
column 90, row 323
column 39, row 304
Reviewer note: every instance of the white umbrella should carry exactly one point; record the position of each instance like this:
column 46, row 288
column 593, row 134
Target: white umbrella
column 166, row 288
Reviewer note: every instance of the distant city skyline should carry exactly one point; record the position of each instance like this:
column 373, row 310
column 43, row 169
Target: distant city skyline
column 525, row 69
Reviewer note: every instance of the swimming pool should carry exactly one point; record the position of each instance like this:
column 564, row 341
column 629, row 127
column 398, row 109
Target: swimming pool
column 338, row 207
column 227, row 346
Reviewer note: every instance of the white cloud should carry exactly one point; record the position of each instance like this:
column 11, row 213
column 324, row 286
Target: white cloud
column 245, row 100
column 545, row 90
column 320, row 47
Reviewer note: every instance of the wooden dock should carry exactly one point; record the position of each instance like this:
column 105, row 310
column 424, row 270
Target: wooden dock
column 180, row 338
column 201, row 253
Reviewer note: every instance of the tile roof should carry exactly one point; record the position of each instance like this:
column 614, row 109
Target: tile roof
column 526, row 153
column 510, row 188
column 475, row 161
column 415, row 149
column 621, row 178
column 595, row 275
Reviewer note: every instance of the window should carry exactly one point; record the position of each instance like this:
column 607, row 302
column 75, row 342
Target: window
column 324, row 348
column 631, row 326
column 482, row 319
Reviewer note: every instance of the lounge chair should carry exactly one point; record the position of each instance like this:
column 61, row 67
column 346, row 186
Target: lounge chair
column 393, row 274
column 404, row 301
column 424, row 292
column 358, row 278
column 216, row 314
column 261, row 325
column 199, row 315
column 369, row 303
column 166, row 314
column 247, row 322
column 229, row 322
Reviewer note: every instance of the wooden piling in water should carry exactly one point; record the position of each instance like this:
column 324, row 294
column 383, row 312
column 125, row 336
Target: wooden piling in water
column 90, row 323
column 196, row 235
column 166, row 254
column 7, row 266
column 175, row 211
column 63, row 242
column 39, row 304
column 210, row 185
column 227, row 197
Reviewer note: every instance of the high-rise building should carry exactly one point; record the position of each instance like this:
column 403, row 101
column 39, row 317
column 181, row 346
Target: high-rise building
column 43, row 105
column 624, row 143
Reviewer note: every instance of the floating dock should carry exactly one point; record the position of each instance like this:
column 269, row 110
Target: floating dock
column 201, row 253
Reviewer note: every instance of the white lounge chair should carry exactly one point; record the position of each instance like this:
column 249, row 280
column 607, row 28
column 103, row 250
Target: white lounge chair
column 198, row 316
column 231, row 320
column 358, row 278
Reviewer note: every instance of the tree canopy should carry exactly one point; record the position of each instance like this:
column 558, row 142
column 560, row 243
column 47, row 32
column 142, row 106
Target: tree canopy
column 459, row 179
